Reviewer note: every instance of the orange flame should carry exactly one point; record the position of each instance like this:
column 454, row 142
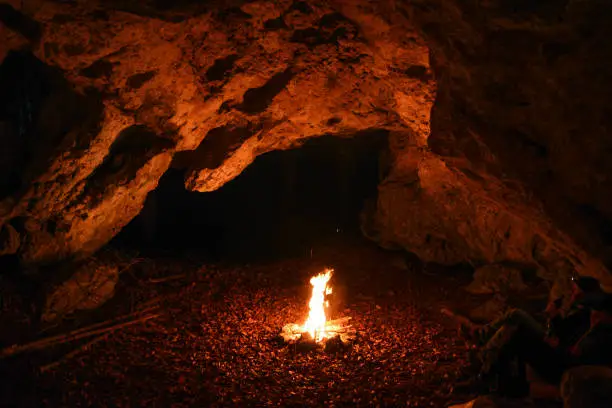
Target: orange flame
column 317, row 319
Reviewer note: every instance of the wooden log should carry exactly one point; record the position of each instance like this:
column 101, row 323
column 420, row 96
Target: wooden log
column 64, row 338
column 73, row 353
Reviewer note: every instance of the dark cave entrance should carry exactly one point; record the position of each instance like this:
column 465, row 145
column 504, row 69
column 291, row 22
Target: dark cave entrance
column 283, row 204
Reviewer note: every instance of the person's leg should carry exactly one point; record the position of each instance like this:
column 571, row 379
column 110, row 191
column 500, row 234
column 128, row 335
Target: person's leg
column 517, row 333
column 508, row 351
column 521, row 320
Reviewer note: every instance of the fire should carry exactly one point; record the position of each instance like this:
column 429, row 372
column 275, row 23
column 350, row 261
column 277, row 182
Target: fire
column 316, row 324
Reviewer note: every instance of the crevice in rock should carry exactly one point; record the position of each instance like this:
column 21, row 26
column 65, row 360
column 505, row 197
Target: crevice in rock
column 418, row 71
column 99, row 69
column 275, row 24
column 300, row 6
column 175, row 11
column 136, row 81
column 221, row 68
column 328, row 30
column 134, row 147
column 257, row 100
column 216, row 146
column 233, row 15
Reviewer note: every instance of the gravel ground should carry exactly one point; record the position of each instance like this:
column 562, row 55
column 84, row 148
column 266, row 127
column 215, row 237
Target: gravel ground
column 213, row 343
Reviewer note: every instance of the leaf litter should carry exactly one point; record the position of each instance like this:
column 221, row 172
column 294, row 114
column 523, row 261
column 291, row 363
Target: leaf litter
column 214, row 344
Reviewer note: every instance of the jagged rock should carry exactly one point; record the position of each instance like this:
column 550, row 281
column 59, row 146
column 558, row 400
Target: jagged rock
column 587, row 387
column 9, row 240
column 489, row 310
column 91, row 286
column 136, row 87
column 502, row 174
column 492, row 279
column 518, row 87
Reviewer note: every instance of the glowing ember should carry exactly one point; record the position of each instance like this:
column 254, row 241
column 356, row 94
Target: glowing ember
column 317, row 326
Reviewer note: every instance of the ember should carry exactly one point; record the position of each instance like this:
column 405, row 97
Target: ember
column 317, row 327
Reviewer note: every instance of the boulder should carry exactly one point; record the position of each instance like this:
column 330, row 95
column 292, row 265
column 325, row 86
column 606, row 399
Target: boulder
column 89, row 287
column 9, row 240
column 587, row 387
column 489, row 310
column 492, row 279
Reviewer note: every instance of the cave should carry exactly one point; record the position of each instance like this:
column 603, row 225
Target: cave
column 286, row 204
column 298, row 203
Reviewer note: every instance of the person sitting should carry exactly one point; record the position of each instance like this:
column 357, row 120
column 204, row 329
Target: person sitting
column 517, row 339
column 564, row 328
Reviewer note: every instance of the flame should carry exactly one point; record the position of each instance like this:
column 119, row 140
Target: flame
column 316, row 324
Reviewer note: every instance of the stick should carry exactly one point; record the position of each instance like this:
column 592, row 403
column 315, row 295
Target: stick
column 129, row 265
column 151, row 302
column 51, row 341
column 104, row 323
column 167, row 278
column 74, row 353
column 339, row 321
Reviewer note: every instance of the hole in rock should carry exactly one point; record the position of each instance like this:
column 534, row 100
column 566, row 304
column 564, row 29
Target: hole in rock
column 284, row 204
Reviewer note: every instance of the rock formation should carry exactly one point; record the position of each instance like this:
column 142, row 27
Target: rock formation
column 101, row 98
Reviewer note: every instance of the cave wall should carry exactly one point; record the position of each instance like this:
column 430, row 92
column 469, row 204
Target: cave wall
column 521, row 108
column 512, row 166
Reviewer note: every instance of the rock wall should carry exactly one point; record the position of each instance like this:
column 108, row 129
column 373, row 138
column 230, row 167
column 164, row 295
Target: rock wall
column 521, row 109
column 211, row 86
column 501, row 174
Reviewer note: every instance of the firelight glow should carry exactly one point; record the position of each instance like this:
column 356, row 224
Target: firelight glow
column 316, row 324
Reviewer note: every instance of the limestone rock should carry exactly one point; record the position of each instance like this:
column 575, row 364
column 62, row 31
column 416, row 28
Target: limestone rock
column 496, row 279
column 502, row 171
column 489, row 310
column 9, row 240
column 519, row 87
column 212, row 86
column 587, row 387
column 91, row 286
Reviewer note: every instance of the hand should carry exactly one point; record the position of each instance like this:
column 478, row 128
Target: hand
column 552, row 341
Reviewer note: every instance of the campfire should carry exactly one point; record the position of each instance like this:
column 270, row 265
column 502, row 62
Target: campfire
column 317, row 328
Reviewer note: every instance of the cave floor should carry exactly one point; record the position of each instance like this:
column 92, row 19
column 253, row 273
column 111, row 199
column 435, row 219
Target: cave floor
column 212, row 342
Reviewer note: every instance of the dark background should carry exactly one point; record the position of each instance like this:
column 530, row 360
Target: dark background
column 284, row 203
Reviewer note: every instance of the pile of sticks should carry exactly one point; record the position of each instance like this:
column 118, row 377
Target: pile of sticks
column 101, row 330
column 338, row 327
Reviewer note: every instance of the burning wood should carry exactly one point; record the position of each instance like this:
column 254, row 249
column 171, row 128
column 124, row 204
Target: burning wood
column 317, row 328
